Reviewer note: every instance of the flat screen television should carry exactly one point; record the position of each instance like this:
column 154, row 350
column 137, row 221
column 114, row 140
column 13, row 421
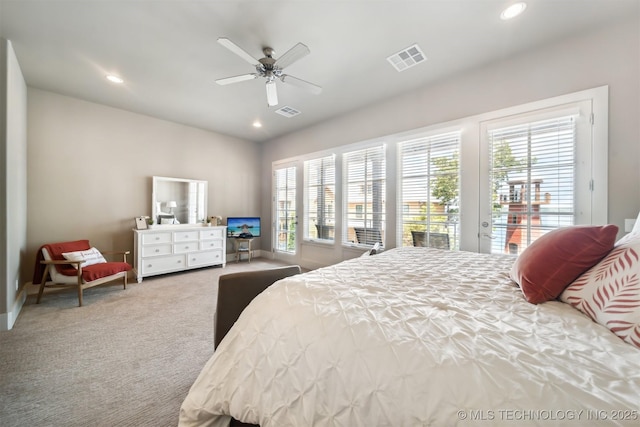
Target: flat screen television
column 243, row 226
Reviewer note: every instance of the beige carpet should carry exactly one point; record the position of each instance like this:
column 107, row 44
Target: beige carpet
column 125, row 358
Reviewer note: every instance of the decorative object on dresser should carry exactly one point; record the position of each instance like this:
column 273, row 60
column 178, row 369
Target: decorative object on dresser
column 170, row 249
column 141, row 223
column 77, row 264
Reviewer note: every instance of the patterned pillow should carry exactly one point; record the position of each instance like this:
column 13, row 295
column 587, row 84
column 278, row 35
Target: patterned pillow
column 90, row 257
column 609, row 292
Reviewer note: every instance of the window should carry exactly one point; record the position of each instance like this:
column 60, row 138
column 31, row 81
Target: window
column 430, row 190
column 320, row 198
column 364, row 196
column 532, row 173
column 285, row 209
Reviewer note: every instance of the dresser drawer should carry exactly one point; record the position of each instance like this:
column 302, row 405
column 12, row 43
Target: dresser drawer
column 204, row 258
column 163, row 264
column 211, row 244
column 151, row 238
column 155, row 250
column 184, row 236
column 213, row 233
column 183, row 248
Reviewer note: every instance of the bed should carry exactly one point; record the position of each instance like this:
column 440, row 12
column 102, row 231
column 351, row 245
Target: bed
column 415, row 337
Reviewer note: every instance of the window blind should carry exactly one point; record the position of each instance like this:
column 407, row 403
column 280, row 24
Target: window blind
column 364, row 196
column 320, row 189
column 430, row 190
column 532, row 180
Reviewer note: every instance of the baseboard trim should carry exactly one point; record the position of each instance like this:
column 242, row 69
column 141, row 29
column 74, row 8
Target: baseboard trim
column 7, row 320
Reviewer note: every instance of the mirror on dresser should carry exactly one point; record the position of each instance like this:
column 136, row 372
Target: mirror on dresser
column 178, row 201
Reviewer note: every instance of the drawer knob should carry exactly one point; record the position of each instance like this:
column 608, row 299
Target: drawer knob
column 186, row 247
column 157, row 250
column 150, row 265
column 157, row 237
column 179, row 261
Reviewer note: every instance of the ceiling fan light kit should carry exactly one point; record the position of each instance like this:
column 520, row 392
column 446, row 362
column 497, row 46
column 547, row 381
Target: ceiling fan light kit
column 270, row 68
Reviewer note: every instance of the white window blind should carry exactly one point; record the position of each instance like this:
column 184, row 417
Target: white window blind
column 532, row 180
column 320, row 200
column 364, row 196
column 285, row 209
column 429, row 205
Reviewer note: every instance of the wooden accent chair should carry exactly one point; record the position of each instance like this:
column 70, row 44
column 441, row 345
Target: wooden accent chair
column 431, row 240
column 72, row 269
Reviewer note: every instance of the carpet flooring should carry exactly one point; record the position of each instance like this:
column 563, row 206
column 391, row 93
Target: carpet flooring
column 125, row 358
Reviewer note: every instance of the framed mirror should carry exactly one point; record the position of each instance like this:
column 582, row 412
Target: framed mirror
column 177, row 201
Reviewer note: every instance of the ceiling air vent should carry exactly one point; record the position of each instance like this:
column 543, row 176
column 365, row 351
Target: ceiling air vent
column 407, row 58
column 287, row 112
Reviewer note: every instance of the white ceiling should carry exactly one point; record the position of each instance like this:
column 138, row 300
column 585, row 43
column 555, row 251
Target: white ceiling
column 166, row 51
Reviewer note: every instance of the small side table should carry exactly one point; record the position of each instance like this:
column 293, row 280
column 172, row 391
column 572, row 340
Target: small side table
column 243, row 246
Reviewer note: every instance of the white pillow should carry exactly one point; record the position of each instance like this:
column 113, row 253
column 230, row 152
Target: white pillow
column 90, row 257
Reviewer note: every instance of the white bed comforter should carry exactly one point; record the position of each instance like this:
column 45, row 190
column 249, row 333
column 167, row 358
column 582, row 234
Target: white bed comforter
column 414, row 337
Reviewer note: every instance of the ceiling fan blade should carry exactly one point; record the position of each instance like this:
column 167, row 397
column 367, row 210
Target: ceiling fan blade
column 238, row 50
column 236, row 79
column 292, row 55
column 294, row 81
column 272, row 94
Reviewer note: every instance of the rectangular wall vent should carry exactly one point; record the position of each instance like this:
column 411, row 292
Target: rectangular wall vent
column 407, row 58
column 287, row 112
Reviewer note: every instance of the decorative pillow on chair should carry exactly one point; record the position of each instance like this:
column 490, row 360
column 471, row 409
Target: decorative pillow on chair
column 557, row 258
column 609, row 292
column 90, row 257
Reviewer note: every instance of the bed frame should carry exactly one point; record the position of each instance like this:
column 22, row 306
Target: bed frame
column 235, row 292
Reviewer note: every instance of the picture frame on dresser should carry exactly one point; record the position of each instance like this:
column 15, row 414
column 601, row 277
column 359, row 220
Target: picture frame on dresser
column 141, row 223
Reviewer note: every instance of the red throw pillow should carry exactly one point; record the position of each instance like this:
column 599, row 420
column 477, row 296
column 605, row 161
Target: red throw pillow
column 545, row 268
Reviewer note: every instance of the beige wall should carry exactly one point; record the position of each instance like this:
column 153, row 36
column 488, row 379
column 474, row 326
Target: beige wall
column 90, row 169
column 604, row 56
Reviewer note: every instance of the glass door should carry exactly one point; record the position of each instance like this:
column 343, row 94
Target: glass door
column 285, row 242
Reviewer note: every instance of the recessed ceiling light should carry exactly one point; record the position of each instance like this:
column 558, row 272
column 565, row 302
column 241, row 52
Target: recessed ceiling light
column 114, row 79
column 257, row 124
column 513, row 11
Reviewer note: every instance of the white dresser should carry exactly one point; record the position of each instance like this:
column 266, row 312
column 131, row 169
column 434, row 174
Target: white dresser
column 169, row 249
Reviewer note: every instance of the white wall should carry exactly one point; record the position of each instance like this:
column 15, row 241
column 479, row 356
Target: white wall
column 13, row 183
column 90, row 169
column 604, row 56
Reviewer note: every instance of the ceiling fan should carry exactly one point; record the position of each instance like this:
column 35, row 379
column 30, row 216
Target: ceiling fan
column 270, row 68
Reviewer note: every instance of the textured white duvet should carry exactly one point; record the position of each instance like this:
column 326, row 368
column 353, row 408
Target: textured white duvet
column 414, row 337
